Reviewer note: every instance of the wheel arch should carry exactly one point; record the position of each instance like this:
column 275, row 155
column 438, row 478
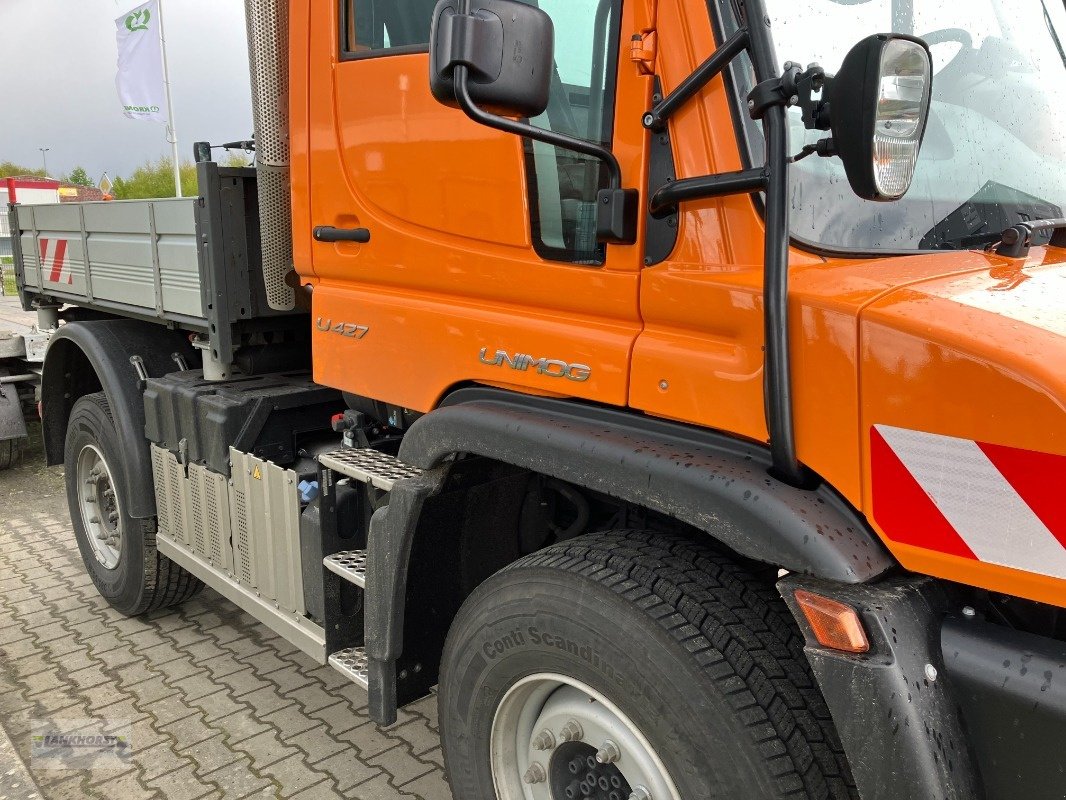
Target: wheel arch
column 712, row 482
column 705, row 481
column 91, row 356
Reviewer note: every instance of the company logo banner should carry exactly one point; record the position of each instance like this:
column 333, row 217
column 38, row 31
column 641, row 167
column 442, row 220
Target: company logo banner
column 140, row 64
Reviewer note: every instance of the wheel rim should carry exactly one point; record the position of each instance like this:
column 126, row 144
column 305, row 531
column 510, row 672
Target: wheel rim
column 555, row 738
column 98, row 504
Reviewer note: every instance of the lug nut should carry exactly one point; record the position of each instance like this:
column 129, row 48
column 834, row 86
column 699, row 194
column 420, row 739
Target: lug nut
column 535, row 774
column 609, row 753
column 572, row 732
column 640, row 793
column 545, row 740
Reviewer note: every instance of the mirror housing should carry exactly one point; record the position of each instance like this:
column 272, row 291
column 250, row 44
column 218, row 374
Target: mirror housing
column 508, row 48
column 879, row 106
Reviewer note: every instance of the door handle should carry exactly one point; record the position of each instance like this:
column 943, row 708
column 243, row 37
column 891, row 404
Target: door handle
column 327, row 233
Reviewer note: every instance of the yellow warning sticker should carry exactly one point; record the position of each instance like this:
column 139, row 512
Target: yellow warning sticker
column 258, row 473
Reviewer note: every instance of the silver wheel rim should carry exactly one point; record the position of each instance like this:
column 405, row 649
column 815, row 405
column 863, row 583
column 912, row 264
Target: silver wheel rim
column 543, row 714
column 98, row 504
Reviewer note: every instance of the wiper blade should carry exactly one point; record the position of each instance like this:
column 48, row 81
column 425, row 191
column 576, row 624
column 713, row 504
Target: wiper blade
column 1017, row 239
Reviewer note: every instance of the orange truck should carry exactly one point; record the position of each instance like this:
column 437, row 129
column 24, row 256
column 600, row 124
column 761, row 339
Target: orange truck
column 693, row 419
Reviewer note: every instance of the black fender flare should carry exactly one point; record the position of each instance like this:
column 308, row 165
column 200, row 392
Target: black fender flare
column 110, row 347
column 715, row 483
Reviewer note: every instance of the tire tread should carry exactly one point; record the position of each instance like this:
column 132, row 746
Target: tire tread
column 738, row 630
column 166, row 583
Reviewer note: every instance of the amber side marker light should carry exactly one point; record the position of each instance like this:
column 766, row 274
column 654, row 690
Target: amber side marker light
column 835, row 625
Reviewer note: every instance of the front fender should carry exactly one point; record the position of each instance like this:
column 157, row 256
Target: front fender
column 715, row 483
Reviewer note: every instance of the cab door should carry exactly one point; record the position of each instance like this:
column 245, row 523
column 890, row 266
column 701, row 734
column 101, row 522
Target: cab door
column 481, row 263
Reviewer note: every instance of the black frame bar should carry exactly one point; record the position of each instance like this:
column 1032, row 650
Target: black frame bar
column 754, row 38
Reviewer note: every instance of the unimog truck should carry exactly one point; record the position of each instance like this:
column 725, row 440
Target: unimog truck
column 694, row 419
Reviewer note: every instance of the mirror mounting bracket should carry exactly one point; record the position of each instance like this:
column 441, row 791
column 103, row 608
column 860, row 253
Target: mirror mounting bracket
column 794, row 87
column 616, row 208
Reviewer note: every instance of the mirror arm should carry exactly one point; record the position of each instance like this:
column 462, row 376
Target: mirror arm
column 472, row 110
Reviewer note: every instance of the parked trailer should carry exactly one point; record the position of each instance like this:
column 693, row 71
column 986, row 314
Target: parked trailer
column 687, row 458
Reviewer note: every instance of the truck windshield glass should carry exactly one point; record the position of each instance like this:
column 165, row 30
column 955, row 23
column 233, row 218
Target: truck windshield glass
column 995, row 147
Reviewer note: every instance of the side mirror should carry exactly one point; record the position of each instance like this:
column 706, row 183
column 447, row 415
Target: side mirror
column 879, row 106
column 508, row 48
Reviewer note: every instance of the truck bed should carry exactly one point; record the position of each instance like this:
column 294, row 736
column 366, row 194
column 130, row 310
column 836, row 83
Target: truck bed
column 136, row 257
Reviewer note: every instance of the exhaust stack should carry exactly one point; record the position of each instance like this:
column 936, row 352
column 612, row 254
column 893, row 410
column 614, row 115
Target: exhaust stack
column 268, row 33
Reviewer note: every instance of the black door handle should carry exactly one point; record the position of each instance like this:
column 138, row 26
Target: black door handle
column 327, row 233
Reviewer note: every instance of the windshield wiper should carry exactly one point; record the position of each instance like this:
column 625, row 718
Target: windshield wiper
column 1017, row 239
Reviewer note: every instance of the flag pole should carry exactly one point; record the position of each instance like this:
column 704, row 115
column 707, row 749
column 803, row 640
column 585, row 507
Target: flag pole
column 172, row 131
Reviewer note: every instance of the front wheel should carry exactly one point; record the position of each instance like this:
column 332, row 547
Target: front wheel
column 118, row 550
column 633, row 665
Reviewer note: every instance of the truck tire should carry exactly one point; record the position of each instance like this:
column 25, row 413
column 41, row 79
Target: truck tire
column 119, row 551
column 633, row 664
column 10, row 453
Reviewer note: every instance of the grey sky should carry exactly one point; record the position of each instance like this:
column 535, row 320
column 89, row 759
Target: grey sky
column 59, row 86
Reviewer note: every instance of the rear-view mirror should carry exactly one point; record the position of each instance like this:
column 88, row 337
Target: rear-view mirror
column 508, row 49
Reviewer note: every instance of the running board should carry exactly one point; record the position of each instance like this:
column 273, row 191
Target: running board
column 353, row 664
column 366, row 465
column 350, row 565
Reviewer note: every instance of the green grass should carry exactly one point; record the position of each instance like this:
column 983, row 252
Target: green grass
column 9, row 282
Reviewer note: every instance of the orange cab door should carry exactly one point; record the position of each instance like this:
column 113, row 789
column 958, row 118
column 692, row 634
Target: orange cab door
column 481, row 264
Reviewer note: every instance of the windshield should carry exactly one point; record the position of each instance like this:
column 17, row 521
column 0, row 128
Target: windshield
column 994, row 151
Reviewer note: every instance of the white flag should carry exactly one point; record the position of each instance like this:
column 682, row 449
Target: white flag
column 140, row 64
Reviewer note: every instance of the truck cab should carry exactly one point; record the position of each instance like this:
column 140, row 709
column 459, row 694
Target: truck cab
column 692, row 418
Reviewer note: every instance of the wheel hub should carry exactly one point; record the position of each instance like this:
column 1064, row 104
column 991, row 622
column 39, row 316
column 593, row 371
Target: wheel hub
column 575, row 774
column 99, row 507
column 555, row 738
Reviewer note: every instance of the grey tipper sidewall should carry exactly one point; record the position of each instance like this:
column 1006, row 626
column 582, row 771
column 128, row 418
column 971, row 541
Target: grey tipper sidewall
column 548, row 702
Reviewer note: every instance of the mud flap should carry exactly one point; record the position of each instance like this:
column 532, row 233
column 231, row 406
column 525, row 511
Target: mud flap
column 12, row 422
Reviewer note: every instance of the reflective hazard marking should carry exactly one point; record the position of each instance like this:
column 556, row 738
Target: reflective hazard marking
column 990, row 503
column 54, row 261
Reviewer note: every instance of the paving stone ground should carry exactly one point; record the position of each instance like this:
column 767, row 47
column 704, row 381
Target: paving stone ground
column 218, row 705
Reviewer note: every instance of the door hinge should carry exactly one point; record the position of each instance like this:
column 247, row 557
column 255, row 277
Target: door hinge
column 645, row 47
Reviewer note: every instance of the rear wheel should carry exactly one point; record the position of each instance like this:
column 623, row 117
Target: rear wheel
column 633, row 665
column 10, row 452
column 118, row 550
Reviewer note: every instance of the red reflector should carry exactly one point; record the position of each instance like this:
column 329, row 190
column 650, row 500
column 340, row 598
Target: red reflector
column 835, row 625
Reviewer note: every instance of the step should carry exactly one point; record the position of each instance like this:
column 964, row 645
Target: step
column 352, row 663
column 369, row 466
column 350, row 565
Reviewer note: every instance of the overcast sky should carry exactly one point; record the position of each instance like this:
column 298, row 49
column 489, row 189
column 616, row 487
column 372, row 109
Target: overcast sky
column 58, row 89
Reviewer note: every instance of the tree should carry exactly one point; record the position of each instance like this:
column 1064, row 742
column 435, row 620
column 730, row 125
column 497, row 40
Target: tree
column 155, row 179
column 9, row 169
column 79, row 176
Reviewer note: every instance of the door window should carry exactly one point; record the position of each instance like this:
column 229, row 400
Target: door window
column 563, row 185
column 385, row 27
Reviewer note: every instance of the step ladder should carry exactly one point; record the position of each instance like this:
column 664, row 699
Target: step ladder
column 381, row 471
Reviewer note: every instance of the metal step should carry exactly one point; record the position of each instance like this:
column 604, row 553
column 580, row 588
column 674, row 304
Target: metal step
column 352, row 663
column 350, row 565
column 369, row 466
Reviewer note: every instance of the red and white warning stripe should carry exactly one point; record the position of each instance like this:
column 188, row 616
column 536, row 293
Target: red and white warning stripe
column 54, row 261
column 990, row 503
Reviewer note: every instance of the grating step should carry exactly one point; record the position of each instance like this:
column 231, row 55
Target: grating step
column 369, row 466
column 350, row 565
column 353, row 663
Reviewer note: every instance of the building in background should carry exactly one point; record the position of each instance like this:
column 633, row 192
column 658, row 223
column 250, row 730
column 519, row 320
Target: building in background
column 31, row 190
